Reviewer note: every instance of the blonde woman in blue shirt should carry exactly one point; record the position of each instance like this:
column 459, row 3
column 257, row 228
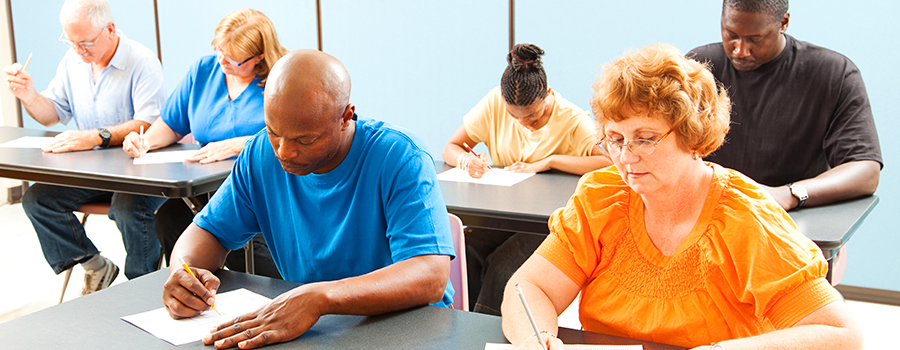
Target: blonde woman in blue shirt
column 220, row 103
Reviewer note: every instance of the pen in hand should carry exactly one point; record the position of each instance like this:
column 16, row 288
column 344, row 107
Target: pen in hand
column 537, row 331
column 488, row 166
column 141, row 146
column 188, row 269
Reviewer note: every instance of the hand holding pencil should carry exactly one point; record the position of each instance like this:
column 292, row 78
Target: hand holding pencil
column 475, row 164
column 18, row 80
column 189, row 292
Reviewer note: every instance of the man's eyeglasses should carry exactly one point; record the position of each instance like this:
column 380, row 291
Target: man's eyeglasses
column 87, row 45
column 641, row 147
column 233, row 62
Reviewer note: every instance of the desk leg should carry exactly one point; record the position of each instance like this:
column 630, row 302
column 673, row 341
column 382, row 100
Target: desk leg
column 193, row 203
column 829, row 257
column 249, row 265
column 248, row 258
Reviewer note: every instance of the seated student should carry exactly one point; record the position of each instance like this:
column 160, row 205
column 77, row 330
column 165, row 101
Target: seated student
column 527, row 127
column 108, row 85
column 351, row 208
column 668, row 248
column 780, row 87
column 220, row 103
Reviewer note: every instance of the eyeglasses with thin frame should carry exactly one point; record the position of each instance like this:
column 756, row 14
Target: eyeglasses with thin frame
column 641, row 147
column 233, row 62
column 87, row 45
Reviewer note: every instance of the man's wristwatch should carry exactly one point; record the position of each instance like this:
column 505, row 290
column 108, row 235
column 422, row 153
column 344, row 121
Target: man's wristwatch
column 798, row 191
column 104, row 137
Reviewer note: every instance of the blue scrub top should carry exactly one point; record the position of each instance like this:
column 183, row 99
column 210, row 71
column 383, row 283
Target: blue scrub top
column 200, row 105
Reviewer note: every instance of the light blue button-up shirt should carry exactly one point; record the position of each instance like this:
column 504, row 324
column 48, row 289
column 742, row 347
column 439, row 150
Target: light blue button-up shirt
column 131, row 87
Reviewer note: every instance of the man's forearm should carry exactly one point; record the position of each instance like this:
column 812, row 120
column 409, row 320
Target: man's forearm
column 412, row 282
column 845, row 181
column 199, row 248
column 41, row 109
column 119, row 131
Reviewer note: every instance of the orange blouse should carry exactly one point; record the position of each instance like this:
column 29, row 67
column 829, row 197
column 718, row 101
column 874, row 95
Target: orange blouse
column 745, row 268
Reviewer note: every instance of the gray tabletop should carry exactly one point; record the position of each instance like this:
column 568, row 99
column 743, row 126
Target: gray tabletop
column 108, row 169
column 526, row 207
column 93, row 322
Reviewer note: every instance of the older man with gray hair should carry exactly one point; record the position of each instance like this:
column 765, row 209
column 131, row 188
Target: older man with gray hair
column 110, row 86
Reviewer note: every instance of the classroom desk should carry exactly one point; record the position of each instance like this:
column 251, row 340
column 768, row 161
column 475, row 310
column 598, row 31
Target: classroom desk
column 526, row 207
column 109, row 169
column 92, row 322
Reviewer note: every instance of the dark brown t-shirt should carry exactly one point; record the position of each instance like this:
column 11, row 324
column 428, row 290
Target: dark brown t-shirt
column 795, row 117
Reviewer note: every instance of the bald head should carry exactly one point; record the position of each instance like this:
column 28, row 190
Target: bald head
column 308, row 78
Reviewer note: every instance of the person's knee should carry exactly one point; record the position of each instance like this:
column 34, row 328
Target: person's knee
column 33, row 196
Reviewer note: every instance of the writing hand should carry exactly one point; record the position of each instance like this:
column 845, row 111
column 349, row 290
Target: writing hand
column 73, row 140
column 478, row 165
column 285, row 318
column 188, row 296
column 553, row 343
column 19, row 82
column 134, row 145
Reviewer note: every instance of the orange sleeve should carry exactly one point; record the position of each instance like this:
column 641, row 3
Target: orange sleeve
column 578, row 230
column 770, row 263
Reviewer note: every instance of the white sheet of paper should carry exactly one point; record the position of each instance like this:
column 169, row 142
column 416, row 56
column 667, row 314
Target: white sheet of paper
column 495, row 176
column 231, row 304
column 28, row 142
column 164, row 157
column 495, row 346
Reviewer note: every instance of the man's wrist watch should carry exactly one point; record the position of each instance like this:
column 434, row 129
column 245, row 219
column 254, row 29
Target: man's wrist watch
column 799, row 192
column 105, row 135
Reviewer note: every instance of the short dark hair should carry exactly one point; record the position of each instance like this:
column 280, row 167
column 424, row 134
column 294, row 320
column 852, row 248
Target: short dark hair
column 775, row 8
column 524, row 79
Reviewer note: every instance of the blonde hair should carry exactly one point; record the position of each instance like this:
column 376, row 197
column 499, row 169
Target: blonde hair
column 250, row 32
column 660, row 81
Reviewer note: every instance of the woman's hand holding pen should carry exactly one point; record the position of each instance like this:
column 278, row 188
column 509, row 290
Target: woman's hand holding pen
column 185, row 295
column 135, row 144
column 477, row 166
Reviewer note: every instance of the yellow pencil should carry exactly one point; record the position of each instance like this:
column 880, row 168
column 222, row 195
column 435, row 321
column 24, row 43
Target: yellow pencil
column 27, row 62
column 188, row 269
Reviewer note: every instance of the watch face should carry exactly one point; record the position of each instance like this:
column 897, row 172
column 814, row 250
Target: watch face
column 105, row 133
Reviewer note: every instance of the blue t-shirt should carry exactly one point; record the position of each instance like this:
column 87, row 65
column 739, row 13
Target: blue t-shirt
column 381, row 205
column 200, row 105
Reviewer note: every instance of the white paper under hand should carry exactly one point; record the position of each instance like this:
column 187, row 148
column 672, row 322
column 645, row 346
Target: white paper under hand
column 231, row 304
column 498, row 177
column 164, row 157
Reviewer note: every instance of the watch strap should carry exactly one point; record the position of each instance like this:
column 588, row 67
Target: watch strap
column 800, row 197
column 105, row 135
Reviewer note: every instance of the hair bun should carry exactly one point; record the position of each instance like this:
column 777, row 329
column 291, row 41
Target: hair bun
column 524, row 57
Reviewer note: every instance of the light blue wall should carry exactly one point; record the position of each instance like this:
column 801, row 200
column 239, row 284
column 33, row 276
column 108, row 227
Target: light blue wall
column 423, row 64
column 187, row 29
column 418, row 64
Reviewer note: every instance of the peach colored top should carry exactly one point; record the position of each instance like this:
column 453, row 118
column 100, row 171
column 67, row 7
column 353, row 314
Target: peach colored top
column 745, row 268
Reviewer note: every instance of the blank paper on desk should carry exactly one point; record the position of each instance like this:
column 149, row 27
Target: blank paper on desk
column 495, row 176
column 231, row 304
column 164, row 157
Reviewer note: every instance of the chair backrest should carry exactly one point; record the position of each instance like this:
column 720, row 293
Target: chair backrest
column 188, row 139
column 458, row 271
